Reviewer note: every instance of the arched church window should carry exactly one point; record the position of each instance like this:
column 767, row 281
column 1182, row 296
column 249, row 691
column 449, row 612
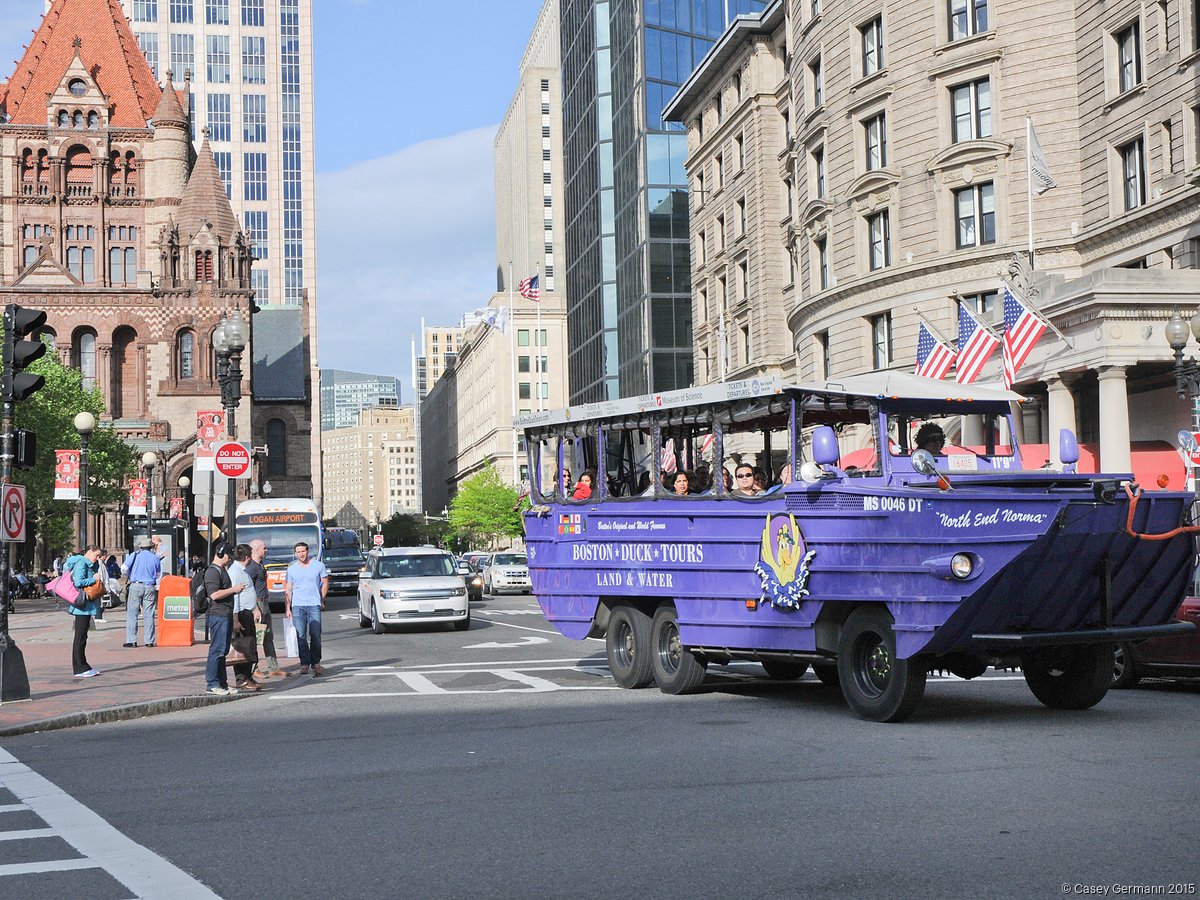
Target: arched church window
column 186, row 354
column 93, row 121
column 276, row 447
column 83, row 356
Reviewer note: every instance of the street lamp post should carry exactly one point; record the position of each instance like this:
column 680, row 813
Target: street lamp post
column 229, row 341
column 149, row 461
column 184, row 484
column 85, row 424
column 1187, row 377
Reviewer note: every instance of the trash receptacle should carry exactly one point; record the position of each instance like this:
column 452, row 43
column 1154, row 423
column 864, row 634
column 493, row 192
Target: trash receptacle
column 175, row 620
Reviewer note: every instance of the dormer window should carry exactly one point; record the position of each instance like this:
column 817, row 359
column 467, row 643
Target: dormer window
column 77, row 87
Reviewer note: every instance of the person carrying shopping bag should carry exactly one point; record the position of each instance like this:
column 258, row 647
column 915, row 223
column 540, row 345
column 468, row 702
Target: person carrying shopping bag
column 84, row 569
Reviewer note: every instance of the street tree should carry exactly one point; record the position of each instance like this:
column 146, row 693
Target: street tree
column 485, row 509
column 50, row 413
column 412, row 531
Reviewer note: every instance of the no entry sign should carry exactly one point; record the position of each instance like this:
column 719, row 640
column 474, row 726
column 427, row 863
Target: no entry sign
column 232, row 459
column 378, row 540
column 12, row 514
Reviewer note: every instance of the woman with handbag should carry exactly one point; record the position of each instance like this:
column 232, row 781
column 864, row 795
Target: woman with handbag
column 84, row 570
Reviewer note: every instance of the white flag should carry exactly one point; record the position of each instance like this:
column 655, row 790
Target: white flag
column 1040, row 178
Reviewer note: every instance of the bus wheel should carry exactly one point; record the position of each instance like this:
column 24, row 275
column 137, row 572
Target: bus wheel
column 627, row 644
column 877, row 686
column 676, row 670
column 784, row 669
column 1125, row 673
column 1075, row 677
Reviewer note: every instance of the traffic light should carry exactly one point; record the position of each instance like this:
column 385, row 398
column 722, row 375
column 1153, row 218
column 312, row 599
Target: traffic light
column 19, row 353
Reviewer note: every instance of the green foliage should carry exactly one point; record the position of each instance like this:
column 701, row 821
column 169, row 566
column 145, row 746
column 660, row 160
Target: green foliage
column 485, row 509
column 412, row 531
column 50, row 413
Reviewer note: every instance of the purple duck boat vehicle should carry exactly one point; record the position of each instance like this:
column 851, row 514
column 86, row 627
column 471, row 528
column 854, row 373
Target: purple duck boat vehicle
column 838, row 542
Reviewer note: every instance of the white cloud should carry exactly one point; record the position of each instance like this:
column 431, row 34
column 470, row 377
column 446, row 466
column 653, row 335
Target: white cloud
column 399, row 238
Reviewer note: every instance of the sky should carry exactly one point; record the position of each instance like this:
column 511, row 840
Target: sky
column 408, row 97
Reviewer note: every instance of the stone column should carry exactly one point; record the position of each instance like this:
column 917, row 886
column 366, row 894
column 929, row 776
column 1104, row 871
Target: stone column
column 1061, row 408
column 104, row 373
column 143, row 377
column 1114, row 420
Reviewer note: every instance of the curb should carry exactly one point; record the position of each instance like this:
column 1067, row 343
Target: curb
column 118, row 713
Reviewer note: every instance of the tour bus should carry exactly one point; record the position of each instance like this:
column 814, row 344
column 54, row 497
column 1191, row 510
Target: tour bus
column 860, row 554
column 281, row 522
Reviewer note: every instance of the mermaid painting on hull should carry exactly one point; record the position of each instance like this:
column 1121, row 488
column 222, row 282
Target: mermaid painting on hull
column 783, row 564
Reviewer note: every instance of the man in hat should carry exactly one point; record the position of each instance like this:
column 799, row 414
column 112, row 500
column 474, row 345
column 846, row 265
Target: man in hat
column 221, row 591
column 142, row 568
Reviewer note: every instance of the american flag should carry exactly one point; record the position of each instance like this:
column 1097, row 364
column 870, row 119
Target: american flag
column 934, row 358
column 707, row 444
column 666, row 457
column 1022, row 328
column 530, row 290
column 975, row 346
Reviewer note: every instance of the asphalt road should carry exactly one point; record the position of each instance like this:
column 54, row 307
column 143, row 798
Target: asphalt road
column 502, row 762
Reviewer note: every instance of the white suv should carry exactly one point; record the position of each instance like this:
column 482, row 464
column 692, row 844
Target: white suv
column 403, row 585
column 507, row 572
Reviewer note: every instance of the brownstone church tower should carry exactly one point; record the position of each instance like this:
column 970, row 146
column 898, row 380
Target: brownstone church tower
column 119, row 230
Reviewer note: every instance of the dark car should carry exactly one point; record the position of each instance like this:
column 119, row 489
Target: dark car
column 343, row 558
column 1177, row 656
column 472, row 578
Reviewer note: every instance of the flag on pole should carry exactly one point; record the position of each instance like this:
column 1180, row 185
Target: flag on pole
column 495, row 317
column 530, row 289
column 1022, row 328
column 934, row 357
column 707, row 444
column 1040, row 177
column 666, row 457
column 976, row 343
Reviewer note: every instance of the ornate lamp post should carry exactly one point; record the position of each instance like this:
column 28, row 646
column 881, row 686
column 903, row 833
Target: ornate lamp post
column 1187, row 379
column 229, row 341
column 85, row 424
column 149, row 461
column 184, row 484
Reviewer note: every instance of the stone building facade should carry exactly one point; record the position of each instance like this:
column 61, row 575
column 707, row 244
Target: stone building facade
column 370, row 468
column 119, row 230
column 904, row 191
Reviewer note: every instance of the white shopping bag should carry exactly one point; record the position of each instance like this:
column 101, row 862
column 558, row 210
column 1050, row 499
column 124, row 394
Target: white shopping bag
column 290, row 646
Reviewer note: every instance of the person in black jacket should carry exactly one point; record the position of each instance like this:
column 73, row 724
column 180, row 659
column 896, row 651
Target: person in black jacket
column 220, row 591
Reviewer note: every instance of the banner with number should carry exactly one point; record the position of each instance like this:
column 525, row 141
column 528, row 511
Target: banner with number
column 137, row 497
column 210, row 431
column 175, row 511
column 66, row 475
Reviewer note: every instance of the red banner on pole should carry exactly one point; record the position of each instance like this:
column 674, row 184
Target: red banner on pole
column 66, row 475
column 176, row 508
column 137, row 497
column 210, row 431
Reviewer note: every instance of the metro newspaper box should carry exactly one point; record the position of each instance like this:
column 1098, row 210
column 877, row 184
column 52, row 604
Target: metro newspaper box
column 175, row 621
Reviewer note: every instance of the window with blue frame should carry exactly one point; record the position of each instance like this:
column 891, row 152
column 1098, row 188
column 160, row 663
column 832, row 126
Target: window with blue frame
column 254, row 60
column 183, row 55
column 224, row 161
column 256, row 230
column 254, row 118
column 253, row 14
column 148, row 43
column 219, row 124
column 145, row 10
column 216, row 12
column 182, row 12
column 218, row 59
column 254, row 176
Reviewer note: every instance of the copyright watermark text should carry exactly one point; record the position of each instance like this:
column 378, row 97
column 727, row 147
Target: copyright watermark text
column 1179, row 889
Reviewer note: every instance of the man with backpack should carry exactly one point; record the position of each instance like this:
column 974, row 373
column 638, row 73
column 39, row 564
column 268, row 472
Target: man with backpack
column 218, row 591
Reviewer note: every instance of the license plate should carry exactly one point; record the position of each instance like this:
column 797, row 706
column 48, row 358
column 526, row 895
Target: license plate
column 426, row 606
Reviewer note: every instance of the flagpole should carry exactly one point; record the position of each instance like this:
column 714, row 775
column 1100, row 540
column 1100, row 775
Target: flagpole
column 512, row 362
column 1029, row 180
column 539, row 370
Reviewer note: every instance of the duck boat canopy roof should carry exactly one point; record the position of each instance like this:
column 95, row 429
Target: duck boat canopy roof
column 882, row 386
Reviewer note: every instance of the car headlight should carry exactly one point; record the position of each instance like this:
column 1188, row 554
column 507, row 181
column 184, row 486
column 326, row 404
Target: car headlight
column 390, row 595
column 477, row 581
column 961, row 565
column 458, row 592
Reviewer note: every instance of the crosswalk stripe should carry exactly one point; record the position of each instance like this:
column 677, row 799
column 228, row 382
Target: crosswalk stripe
column 13, row 807
column 27, row 834
column 144, row 872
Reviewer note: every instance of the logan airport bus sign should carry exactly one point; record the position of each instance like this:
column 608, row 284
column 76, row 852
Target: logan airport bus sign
column 233, row 460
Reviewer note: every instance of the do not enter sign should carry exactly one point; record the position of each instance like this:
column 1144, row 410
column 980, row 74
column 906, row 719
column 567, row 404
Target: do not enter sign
column 232, row 459
column 378, row 540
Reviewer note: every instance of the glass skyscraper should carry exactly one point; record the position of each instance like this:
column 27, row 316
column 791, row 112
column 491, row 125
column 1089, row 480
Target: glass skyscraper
column 629, row 313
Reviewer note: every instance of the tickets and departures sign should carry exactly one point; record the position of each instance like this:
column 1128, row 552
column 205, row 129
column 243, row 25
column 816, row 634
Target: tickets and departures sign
column 66, row 475
column 210, row 432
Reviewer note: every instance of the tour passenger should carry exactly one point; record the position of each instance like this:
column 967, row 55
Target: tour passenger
column 760, row 480
column 682, row 482
column 743, row 476
column 583, row 490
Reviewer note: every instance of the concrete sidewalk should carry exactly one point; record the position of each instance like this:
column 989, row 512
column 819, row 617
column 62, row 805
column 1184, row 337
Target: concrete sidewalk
column 133, row 682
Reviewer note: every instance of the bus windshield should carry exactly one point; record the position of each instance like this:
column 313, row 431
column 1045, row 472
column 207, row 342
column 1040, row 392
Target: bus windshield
column 280, row 541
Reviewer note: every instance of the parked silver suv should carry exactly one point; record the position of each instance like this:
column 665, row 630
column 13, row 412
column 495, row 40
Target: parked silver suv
column 507, row 572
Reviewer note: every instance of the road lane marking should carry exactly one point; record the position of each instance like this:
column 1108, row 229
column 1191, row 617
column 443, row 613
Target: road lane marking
column 420, row 683
column 497, row 645
column 476, row 663
column 539, row 630
column 27, row 834
column 144, row 872
column 13, row 807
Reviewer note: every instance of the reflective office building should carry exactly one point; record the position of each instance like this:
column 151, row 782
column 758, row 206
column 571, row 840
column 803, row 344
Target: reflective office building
column 628, row 267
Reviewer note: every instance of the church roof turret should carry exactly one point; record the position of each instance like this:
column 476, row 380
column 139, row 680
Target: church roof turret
column 100, row 33
column 205, row 201
column 169, row 110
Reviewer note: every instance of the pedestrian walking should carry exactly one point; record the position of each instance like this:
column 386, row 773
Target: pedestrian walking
column 245, row 619
column 143, row 570
column 258, row 576
column 57, row 565
column 220, row 590
column 305, row 590
column 85, row 570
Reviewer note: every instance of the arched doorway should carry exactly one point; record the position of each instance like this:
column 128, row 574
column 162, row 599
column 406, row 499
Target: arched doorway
column 126, row 398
